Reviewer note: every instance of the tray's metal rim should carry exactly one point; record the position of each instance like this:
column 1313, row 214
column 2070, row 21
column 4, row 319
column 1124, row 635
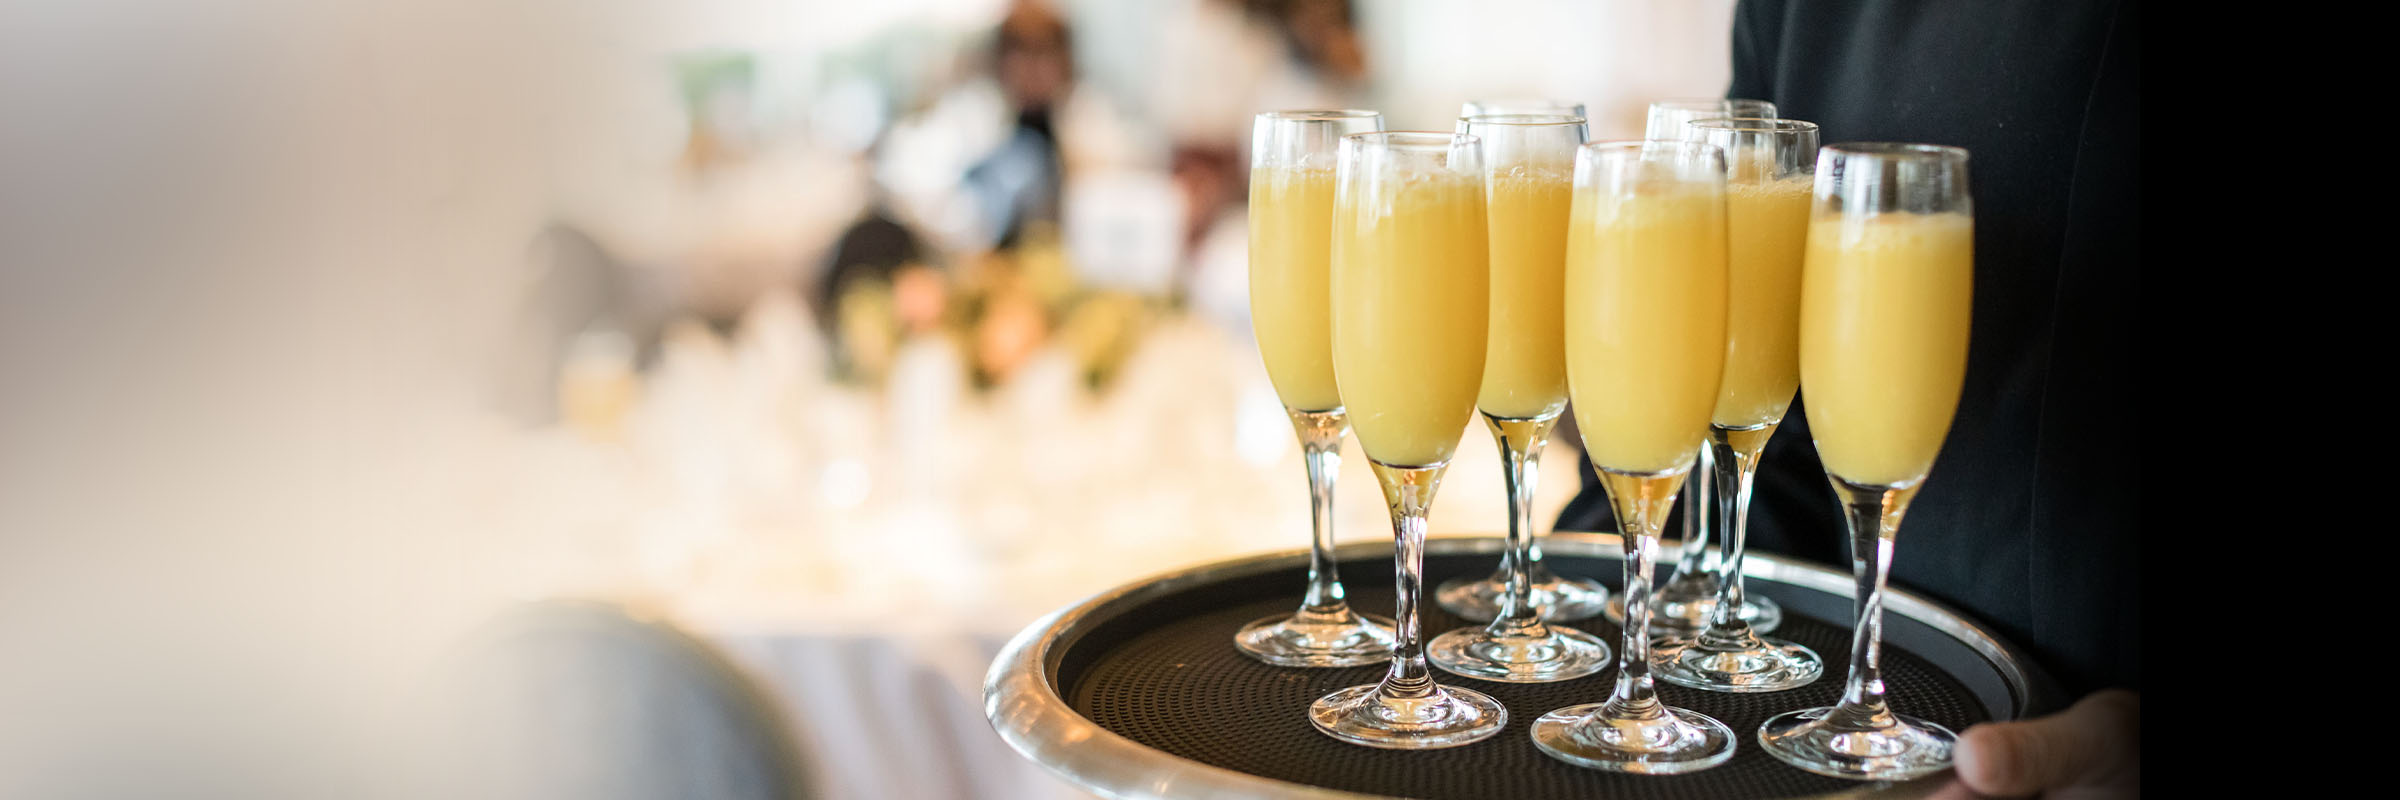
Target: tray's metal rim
column 1029, row 714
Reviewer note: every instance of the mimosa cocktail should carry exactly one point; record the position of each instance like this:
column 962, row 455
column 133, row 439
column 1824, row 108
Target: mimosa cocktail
column 1291, row 259
column 1681, row 604
column 1767, row 237
column 1524, row 372
column 1645, row 309
column 1769, row 162
column 1885, row 301
column 1525, row 366
column 1884, row 352
column 1291, row 217
column 1410, row 287
column 1646, row 304
column 1529, row 168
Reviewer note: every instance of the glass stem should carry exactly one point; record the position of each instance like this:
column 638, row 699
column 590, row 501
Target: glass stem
column 1521, row 442
column 1694, row 559
column 1321, row 449
column 1874, row 514
column 1641, row 503
column 1736, row 460
column 1533, row 550
column 1409, row 492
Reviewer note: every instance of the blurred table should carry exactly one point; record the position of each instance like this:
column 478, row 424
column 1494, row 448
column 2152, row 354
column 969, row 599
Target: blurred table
column 865, row 554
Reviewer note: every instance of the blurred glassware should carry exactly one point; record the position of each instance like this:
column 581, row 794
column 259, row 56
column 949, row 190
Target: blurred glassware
column 719, row 110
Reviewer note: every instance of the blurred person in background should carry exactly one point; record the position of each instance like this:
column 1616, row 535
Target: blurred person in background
column 2033, row 519
column 998, row 237
column 1017, row 185
column 1325, row 45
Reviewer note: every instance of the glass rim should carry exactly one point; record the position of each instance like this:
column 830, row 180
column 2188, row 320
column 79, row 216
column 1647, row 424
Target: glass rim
column 1637, row 145
column 1898, row 150
column 1754, row 124
column 1318, row 114
column 1522, row 100
column 1413, row 140
column 1547, row 102
column 1693, row 101
column 1525, row 120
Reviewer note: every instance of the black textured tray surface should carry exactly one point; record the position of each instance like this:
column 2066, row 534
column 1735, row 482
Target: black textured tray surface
column 1166, row 675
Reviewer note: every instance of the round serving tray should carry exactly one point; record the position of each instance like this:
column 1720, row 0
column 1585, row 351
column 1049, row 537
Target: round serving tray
column 1138, row 692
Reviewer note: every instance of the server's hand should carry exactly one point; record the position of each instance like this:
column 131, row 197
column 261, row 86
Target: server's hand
column 2091, row 750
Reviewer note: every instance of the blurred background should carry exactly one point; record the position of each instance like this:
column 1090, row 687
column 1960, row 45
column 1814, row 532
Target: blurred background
column 404, row 393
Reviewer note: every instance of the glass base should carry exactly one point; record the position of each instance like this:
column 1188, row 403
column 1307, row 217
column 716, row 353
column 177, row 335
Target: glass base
column 1757, row 665
column 1681, row 741
column 1450, row 717
column 1477, row 653
column 1348, row 639
column 1909, row 748
column 1672, row 617
column 1559, row 599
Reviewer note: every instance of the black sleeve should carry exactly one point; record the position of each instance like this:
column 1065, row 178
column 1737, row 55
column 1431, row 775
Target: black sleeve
column 1757, row 30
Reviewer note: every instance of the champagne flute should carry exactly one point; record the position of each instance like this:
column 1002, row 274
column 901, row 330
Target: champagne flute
column 1885, row 299
column 1558, row 599
column 1529, row 170
column 1410, row 288
column 1769, row 163
column 1645, row 310
column 1681, row 605
column 1291, row 212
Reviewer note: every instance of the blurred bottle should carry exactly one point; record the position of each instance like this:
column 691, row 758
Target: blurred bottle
column 584, row 302
column 596, row 384
column 867, row 330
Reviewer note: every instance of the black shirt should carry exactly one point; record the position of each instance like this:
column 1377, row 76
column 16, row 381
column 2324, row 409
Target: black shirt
column 2030, row 519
